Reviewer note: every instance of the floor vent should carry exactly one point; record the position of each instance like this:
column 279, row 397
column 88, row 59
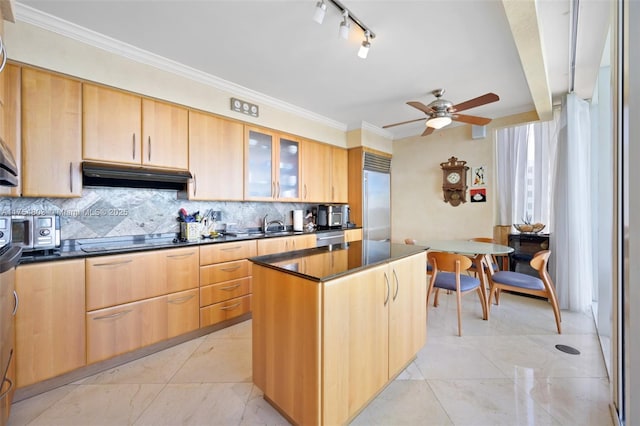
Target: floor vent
column 568, row 349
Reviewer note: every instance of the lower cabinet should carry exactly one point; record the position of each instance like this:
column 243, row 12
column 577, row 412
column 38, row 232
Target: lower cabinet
column 281, row 244
column 50, row 326
column 124, row 328
column 225, row 281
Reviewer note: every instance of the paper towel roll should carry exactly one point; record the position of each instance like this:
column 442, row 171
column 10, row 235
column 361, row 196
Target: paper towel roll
column 297, row 220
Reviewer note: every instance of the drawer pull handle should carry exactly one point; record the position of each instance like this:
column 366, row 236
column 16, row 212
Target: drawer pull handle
column 17, row 302
column 235, row 268
column 178, row 256
column 114, row 315
column 228, row 308
column 133, row 145
column 181, row 299
column 122, row 262
column 231, row 248
column 230, row 287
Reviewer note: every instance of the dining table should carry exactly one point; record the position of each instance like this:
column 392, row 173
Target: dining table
column 480, row 253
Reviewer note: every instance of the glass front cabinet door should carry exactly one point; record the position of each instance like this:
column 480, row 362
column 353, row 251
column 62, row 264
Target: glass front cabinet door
column 273, row 166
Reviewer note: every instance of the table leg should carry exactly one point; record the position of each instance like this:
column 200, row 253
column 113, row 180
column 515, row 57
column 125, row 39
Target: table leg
column 479, row 261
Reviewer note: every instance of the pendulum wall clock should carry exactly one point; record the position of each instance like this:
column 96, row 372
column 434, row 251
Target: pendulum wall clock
column 454, row 181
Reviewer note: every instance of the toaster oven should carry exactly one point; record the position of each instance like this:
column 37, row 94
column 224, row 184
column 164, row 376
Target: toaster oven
column 31, row 233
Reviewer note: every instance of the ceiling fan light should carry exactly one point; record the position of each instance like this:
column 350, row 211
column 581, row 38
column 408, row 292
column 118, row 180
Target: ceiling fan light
column 321, row 10
column 438, row 122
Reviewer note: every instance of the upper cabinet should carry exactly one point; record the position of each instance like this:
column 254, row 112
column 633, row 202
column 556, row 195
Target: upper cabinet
column 324, row 171
column 272, row 166
column 10, row 83
column 216, row 158
column 51, row 135
column 125, row 128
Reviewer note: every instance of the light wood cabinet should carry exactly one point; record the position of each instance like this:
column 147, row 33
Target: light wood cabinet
column 339, row 175
column 272, row 166
column 182, row 312
column 10, row 79
column 117, row 279
column 352, row 235
column 316, row 172
column 216, row 158
column 50, row 326
column 225, row 281
column 324, row 173
column 126, row 128
column 273, row 245
column 51, row 135
column 323, row 350
column 165, row 140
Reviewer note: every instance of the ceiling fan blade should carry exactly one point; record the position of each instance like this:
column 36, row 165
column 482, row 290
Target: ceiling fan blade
column 422, row 107
column 404, row 122
column 471, row 119
column 427, row 131
column 475, row 102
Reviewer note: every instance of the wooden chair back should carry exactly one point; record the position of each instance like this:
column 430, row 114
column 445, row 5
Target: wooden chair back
column 448, row 262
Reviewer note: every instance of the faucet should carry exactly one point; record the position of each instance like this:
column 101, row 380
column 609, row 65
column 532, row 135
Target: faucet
column 265, row 224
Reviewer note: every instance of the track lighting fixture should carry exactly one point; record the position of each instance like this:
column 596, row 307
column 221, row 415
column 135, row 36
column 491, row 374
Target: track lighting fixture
column 364, row 47
column 345, row 24
column 321, row 10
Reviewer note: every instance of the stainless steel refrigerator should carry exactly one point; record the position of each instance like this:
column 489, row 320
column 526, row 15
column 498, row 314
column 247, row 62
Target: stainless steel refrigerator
column 376, row 213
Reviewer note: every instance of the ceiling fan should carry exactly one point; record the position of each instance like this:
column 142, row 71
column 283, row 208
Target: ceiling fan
column 441, row 111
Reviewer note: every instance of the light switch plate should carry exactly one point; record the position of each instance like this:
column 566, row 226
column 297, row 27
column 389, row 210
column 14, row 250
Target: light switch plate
column 244, row 107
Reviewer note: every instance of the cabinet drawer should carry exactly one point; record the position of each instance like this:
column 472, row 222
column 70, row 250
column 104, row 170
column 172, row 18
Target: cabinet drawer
column 224, row 272
column 214, row 314
column 223, row 291
column 225, row 252
column 113, row 280
column 120, row 329
column 182, row 312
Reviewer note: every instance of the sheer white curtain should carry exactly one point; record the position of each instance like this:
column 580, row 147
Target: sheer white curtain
column 511, row 154
column 571, row 242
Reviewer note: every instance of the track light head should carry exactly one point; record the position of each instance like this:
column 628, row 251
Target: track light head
column 365, row 46
column 321, row 10
column 345, row 25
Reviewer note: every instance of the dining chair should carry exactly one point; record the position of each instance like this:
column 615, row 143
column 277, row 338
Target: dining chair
column 523, row 283
column 412, row 242
column 447, row 275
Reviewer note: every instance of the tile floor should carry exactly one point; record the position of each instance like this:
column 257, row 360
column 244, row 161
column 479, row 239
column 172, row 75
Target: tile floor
column 505, row 371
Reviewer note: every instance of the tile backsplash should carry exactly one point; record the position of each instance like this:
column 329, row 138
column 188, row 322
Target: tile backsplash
column 107, row 212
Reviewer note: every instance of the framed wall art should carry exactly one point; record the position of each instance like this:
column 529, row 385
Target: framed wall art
column 478, row 176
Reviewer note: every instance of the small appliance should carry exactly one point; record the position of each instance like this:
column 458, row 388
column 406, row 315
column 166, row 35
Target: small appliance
column 329, row 216
column 31, row 232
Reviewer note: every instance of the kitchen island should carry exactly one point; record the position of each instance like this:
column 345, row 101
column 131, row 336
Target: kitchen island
column 333, row 326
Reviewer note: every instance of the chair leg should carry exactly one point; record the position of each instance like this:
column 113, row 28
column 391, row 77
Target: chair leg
column 435, row 297
column 556, row 310
column 459, row 300
column 483, row 302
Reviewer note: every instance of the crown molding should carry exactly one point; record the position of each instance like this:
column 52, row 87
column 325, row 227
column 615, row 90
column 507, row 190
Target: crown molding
column 64, row 28
column 377, row 130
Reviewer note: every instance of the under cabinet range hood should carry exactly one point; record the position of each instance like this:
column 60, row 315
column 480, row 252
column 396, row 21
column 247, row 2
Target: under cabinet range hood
column 117, row 175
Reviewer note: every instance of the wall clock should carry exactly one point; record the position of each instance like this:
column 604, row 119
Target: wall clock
column 454, row 181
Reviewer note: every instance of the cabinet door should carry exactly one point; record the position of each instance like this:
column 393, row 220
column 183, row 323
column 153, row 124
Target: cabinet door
column 288, row 170
column 228, row 309
column 111, row 121
column 220, row 292
column 216, row 253
column 165, row 140
column 300, row 242
column 339, row 175
column 407, row 313
column 11, row 126
column 123, row 328
column 216, row 158
column 272, row 245
column 51, row 135
column 316, row 172
column 225, row 271
column 260, row 179
column 50, row 326
column 183, row 312
column 355, row 352
column 352, row 235
column 180, row 268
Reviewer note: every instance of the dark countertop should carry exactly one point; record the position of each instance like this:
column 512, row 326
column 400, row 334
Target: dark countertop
column 91, row 247
column 327, row 263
